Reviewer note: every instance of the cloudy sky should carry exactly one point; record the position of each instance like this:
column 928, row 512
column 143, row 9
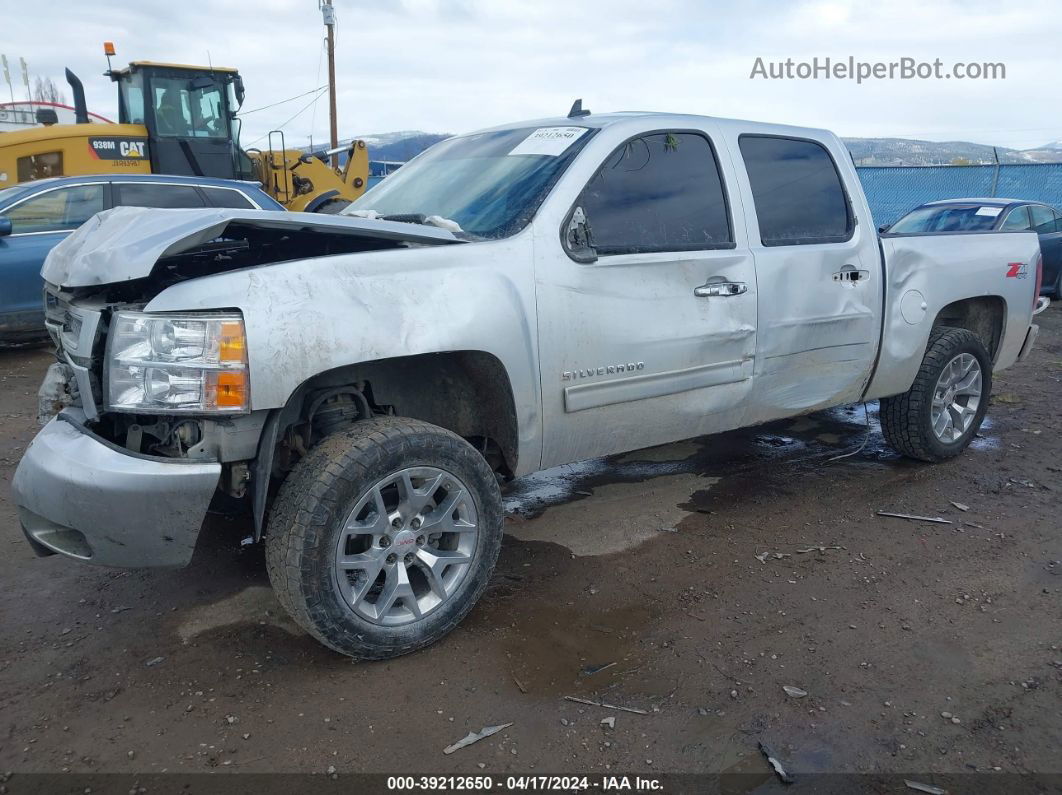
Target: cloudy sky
column 456, row 65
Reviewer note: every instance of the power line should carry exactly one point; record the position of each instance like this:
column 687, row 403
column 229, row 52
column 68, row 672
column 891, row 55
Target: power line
column 290, row 120
column 289, row 99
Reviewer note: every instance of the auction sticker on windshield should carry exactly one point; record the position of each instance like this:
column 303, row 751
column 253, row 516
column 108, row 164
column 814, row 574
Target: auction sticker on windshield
column 991, row 212
column 548, row 141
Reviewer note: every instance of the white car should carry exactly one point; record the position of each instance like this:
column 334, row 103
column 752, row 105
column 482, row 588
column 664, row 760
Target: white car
column 510, row 300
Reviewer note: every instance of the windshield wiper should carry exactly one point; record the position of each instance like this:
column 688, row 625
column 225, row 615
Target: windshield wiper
column 405, row 218
column 416, row 218
column 427, row 220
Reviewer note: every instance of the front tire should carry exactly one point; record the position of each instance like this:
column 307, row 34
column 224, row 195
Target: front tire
column 384, row 536
column 940, row 414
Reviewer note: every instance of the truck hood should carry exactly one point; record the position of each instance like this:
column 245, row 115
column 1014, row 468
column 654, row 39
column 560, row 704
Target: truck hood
column 127, row 243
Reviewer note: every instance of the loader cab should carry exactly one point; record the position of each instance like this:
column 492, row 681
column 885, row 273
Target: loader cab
column 190, row 116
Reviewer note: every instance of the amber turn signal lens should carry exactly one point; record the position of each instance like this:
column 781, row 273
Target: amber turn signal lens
column 230, row 389
column 232, row 346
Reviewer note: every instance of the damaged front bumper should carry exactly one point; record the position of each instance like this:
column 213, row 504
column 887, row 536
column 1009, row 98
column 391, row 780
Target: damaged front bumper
column 81, row 496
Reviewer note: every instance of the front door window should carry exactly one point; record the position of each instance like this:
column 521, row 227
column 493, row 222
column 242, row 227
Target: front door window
column 56, row 210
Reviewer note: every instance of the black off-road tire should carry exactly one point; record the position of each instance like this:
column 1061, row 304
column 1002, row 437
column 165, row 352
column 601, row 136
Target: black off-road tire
column 313, row 503
column 905, row 419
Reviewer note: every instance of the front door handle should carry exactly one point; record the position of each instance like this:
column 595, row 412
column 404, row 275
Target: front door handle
column 722, row 289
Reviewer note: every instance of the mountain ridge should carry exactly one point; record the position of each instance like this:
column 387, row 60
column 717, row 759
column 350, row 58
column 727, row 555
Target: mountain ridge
column 403, row 145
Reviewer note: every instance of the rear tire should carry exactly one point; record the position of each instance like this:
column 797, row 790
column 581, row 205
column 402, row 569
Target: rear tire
column 940, row 414
column 384, row 536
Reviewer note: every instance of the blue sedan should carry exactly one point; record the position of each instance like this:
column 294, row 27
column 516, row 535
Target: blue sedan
column 993, row 215
column 35, row 216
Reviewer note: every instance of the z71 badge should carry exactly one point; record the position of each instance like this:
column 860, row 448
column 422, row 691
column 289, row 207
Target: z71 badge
column 1017, row 270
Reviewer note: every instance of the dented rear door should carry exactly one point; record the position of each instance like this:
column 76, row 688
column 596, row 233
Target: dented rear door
column 818, row 270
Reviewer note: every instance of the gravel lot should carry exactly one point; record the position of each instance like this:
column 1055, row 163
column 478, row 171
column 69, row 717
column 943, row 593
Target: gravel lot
column 705, row 575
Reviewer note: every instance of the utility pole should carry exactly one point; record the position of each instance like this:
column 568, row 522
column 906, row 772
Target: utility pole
column 328, row 13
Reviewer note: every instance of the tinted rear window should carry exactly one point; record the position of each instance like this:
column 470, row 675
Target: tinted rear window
column 797, row 190
column 226, row 197
column 137, row 194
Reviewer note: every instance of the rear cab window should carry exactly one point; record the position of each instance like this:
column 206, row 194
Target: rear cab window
column 660, row 191
column 39, row 166
column 797, row 191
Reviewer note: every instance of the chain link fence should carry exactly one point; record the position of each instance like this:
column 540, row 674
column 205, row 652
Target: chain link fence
column 894, row 190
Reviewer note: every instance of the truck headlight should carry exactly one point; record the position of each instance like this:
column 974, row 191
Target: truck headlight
column 165, row 364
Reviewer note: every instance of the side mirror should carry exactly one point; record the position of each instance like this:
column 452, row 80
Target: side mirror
column 5, row 226
column 578, row 238
column 238, row 90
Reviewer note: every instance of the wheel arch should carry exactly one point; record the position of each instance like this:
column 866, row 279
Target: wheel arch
column 985, row 316
column 468, row 392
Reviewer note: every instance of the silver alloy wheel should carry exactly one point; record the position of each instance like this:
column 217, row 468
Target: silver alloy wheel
column 956, row 398
column 406, row 546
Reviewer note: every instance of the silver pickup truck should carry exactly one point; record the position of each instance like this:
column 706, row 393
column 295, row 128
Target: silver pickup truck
column 510, row 300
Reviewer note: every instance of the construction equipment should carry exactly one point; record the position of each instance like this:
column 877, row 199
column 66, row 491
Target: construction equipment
column 178, row 119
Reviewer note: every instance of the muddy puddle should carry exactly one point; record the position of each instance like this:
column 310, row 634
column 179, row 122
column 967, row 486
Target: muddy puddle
column 579, row 652
column 256, row 605
column 612, row 504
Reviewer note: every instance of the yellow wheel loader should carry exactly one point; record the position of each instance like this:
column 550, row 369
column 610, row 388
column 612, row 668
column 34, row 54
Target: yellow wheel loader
column 177, row 119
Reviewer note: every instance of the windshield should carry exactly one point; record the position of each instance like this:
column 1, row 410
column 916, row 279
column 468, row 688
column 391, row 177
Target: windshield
column 7, row 194
column 491, row 184
column 184, row 109
column 948, row 218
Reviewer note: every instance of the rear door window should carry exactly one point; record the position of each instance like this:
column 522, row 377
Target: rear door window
column 56, row 210
column 1017, row 220
column 144, row 194
column 797, row 190
column 1043, row 219
column 658, row 192
column 226, row 197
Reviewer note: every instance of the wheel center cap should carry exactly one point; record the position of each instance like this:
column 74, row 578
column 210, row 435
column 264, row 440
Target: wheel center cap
column 403, row 542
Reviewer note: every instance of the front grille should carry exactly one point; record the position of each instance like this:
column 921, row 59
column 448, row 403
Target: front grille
column 77, row 334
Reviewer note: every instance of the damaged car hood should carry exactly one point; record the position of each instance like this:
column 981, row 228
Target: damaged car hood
column 125, row 243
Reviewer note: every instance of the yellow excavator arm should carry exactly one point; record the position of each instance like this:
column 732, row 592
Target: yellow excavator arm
column 305, row 183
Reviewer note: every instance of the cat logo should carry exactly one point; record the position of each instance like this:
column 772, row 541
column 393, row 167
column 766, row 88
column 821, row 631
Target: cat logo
column 132, row 148
column 118, row 148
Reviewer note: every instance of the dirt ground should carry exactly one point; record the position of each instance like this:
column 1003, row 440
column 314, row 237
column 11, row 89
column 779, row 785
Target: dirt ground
column 705, row 576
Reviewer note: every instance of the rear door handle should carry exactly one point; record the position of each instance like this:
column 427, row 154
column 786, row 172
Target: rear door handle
column 849, row 274
column 722, row 289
